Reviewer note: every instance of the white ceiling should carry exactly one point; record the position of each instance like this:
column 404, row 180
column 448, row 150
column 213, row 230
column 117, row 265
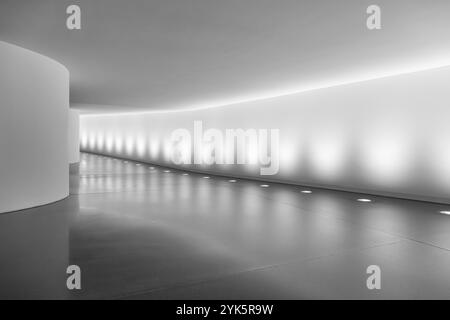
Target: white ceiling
column 173, row 54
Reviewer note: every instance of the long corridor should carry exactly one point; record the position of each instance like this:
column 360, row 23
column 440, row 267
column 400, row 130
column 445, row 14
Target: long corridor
column 143, row 231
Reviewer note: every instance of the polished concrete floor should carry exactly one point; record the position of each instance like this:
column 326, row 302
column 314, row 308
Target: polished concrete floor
column 140, row 232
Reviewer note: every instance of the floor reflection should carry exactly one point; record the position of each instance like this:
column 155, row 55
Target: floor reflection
column 34, row 251
column 138, row 231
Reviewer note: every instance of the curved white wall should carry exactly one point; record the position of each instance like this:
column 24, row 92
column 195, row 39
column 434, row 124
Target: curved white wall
column 34, row 102
column 74, row 136
column 388, row 136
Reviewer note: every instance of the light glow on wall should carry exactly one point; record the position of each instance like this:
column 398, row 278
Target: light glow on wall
column 129, row 145
column 109, row 142
column 140, row 146
column 341, row 137
column 92, row 140
column 100, row 140
column 84, row 140
column 387, row 156
column 154, row 148
column 118, row 144
column 290, row 153
column 328, row 155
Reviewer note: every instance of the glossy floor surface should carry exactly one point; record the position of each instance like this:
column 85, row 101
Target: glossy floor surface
column 144, row 232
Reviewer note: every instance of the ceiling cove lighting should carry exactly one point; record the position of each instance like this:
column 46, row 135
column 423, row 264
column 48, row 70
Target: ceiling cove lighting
column 364, row 200
column 445, row 212
column 430, row 64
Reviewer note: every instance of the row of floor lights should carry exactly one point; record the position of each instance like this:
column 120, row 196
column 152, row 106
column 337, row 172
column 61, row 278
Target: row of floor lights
column 364, row 200
column 267, row 186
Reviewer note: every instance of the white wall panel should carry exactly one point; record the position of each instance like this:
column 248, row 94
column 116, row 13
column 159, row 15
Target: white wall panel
column 386, row 136
column 34, row 102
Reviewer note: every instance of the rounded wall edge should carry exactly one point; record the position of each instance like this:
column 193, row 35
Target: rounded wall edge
column 34, row 98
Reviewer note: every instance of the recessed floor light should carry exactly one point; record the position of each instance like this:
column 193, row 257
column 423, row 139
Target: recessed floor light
column 445, row 212
column 232, row 181
column 364, row 200
column 264, row 186
column 306, row 191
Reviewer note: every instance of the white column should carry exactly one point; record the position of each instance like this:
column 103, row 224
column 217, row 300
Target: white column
column 34, row 104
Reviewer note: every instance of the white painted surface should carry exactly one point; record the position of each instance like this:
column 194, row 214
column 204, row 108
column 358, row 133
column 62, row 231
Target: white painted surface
column 388, row 136
column 141, row 55
column 34, row 102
